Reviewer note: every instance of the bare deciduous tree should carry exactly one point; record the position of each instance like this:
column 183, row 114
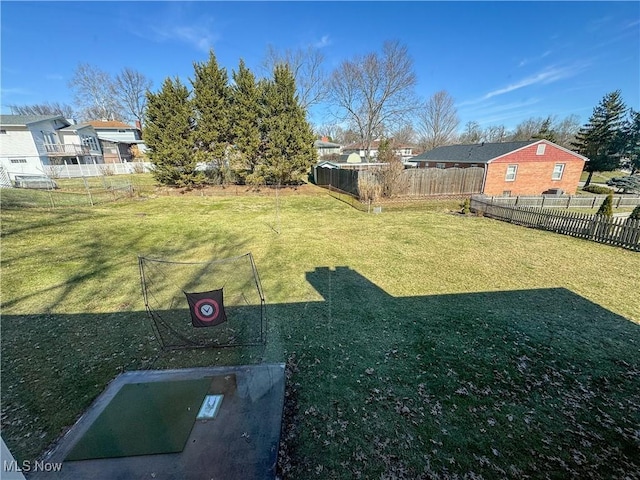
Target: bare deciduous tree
column 438, row 121
column 527, row 129
column 566, row 130
column 308, row 72
column 404, row 135
column 48, row 108
column 95, row 93
column 472, row 133
column 374, row 90
column 131, row 88
column 495, row 134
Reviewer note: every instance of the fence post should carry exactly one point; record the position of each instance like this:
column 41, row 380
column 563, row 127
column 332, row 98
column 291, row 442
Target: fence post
column 86, row 185
column 593, row 204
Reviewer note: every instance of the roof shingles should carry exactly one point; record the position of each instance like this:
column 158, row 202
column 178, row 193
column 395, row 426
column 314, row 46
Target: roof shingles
column 475, row 153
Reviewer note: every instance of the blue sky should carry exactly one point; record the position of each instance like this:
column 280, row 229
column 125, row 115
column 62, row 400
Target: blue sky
column 503, row 62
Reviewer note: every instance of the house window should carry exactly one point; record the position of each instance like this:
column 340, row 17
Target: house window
column 506, row 193
column 439, row 165
column 511, row 173
column 540, row 150
column 558, row 170
column 90, row 142
column 18, row 160
column 49, row 137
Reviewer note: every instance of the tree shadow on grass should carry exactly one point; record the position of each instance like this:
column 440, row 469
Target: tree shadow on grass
column 527, row 383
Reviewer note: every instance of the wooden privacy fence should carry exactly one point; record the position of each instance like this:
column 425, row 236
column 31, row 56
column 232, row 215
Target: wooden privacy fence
column 622, row 232
column 418, row 181
column 437, row 181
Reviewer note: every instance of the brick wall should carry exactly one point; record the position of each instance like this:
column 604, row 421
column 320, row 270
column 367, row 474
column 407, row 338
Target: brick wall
column 533, row 175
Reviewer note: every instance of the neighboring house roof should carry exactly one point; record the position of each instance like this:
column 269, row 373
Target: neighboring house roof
column 323, row 144
column 349, row 158
column 110, row 124
column 475, row 153
column 327, row 164
column 27, row 119
column 73, row 128
column 118, row 140
column 375, row 144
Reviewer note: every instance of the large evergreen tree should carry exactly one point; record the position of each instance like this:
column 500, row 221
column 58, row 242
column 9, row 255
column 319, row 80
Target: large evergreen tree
column 168, row 132
column 546, row 131
column 631, row 141
column 600, row 140
column 246, row 114
column 212, row 132
column 286, row 135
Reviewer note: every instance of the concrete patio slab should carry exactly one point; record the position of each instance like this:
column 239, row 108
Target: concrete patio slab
column 241, row 442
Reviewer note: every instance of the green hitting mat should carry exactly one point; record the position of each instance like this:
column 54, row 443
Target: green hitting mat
column 144, row 419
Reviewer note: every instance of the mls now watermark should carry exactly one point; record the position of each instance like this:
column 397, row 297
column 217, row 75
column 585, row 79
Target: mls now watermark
column 28, row 466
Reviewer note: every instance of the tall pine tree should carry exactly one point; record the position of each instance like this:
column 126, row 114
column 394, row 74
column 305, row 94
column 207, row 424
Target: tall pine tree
column 212, row 132
column 286, row 135
column 600, row 140
column 168, row 132
column 246, row 113
column 631, row 140
column 546, row 131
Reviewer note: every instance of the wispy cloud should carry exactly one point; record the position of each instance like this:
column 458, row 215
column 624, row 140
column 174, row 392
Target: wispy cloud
column 527, row 61
column 544, row 77
column 54, row 76
column 492, row 107
column 624, row 33
column 323, row 42
column 177, row 23
column 493, row 112
column 14, row 91
column 201, row 38
column 598, row 24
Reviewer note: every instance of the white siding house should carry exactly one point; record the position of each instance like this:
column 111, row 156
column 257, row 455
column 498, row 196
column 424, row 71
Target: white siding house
column 33, row 144
column 116, row 139
column 403, row 151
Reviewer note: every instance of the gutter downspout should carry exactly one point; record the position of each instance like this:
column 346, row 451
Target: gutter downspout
column 484, row 178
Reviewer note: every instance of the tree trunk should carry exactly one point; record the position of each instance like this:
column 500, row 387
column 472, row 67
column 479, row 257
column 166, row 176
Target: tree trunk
column 586, row 184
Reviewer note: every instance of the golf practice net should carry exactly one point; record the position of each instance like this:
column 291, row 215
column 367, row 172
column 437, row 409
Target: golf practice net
column 215, row 303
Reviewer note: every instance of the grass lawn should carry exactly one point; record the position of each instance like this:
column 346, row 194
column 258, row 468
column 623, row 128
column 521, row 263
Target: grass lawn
column 419, row 343
column 603, row 177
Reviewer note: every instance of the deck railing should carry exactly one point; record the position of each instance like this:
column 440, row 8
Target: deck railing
column 66, row 149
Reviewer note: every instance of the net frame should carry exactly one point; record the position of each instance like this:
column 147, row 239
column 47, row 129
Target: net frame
column 185, row 342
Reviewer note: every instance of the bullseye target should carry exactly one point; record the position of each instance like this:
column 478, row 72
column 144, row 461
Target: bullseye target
column 206, row 308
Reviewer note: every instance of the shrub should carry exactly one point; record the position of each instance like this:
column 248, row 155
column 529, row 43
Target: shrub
column 597, row 189
column 137, row 167
column 466, row 206
column 107, row 170
column 630, row 184
column 606, row 208
column 369, row 190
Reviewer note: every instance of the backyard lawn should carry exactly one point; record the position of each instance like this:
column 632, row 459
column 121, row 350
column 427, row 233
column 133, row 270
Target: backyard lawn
column 419, row 342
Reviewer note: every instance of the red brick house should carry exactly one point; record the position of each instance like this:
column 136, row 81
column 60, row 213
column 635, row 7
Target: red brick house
column 512, row 168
